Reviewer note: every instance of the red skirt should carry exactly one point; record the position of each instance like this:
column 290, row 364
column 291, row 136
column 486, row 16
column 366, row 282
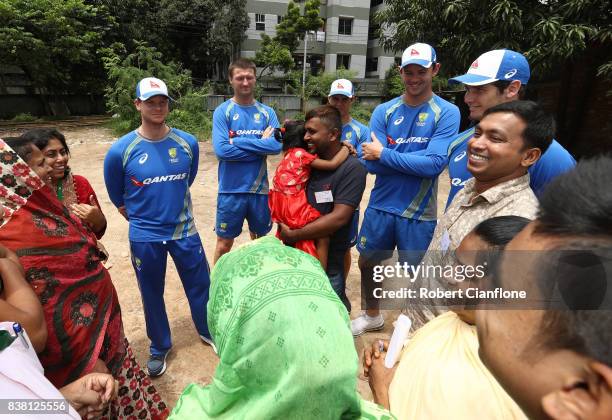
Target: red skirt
column 294, row 211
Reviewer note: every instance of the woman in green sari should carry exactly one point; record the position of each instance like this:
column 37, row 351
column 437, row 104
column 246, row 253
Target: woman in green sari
column 284, row 342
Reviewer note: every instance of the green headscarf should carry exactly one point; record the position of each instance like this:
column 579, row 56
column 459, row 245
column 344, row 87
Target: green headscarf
column 283, row 337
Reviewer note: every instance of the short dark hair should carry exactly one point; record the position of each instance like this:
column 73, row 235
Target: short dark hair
column 498, row 231
column 540, row 125
column 579, row 202
column 329, row 115
column 41, row 137
column 21, row 146
column 502, row 85
column 291, row 135
column 576, row 209
column 241, row 63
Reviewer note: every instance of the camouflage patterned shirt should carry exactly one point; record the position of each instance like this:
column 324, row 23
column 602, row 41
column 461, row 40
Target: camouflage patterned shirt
column 468, row 209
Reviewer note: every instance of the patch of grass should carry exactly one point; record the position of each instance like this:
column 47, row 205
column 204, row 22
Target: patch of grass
column 24, row 117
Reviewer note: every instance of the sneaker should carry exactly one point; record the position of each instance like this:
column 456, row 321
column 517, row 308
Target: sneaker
column 210, row 342
column 364, row 323
column 157, row 365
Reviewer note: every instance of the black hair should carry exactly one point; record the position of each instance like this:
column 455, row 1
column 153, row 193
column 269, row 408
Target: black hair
column 291, row 135
column 41, row 137
column 540, row 125
column 502, row 85
column 576, row 209
column 21, row 146
column 579, row 202
column 498, row 231
column 329, row 115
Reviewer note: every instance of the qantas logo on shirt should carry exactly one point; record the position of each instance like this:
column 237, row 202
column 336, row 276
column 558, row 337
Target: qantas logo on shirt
column 460, row 156
column 402, row 140
column 458, row 182
column 164, row 178
column 249, row 132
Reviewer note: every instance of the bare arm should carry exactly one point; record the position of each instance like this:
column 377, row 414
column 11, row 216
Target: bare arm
column 19, row 303
column 334, row 163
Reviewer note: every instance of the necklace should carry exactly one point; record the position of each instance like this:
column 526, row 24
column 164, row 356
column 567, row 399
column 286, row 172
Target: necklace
column 60, row 190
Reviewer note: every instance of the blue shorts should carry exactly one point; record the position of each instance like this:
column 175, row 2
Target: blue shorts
column 383, row 232
column 233, row 208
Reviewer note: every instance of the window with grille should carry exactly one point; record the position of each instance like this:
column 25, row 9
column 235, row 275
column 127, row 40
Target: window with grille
column 343, row 60
column 260, row 22
column 345, row 26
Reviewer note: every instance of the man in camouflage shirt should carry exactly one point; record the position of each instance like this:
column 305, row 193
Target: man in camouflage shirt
column 508, row 140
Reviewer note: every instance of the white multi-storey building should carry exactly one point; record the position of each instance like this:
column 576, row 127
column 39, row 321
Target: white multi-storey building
column 344, row 40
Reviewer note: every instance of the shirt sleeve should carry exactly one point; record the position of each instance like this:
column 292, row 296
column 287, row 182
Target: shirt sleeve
column 261, row 146
column 195, row 160
column 84, row 191
column 220, row 138
column 378, row 127
column 365, row 136
column 114, row 176
column 555, row 161
column 351, row 186
column 436, row 155
column 305, row 157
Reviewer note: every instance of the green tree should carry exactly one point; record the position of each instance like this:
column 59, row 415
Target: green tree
column 568, row 40
column 55, row 42
column 272, row 55
column 276, row 53
column 203, row 35
column 124, row 72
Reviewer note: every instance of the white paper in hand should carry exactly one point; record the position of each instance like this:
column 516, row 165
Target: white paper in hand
column 399, row 337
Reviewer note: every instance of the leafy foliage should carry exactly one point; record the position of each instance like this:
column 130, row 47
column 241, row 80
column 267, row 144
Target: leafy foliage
column 319, row 85
column 55, row 42
column 203, row 35
column 549, row 32
column 276, row 53
column 187, row 111
column 273, row 55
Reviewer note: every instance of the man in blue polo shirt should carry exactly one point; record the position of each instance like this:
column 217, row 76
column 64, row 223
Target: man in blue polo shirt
column 496, row 77
column 242, row 137
column 342, row 96
column 402, row 210
column 148, row 173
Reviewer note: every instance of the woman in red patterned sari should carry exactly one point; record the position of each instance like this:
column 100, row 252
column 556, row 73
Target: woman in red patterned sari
column 63, row 266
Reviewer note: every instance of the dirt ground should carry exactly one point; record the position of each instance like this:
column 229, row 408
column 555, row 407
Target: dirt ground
column 190, row 360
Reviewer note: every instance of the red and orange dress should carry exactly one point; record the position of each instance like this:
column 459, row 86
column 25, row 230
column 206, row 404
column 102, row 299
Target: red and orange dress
column 287, row 198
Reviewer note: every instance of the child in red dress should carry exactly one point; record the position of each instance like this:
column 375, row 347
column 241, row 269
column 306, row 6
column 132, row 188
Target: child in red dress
column 287, row 198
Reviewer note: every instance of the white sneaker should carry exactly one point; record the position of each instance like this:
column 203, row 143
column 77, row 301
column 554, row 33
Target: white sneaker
column 364, row 323
column 209, row 342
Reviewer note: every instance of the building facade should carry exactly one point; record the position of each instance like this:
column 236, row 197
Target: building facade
column 346, row 38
